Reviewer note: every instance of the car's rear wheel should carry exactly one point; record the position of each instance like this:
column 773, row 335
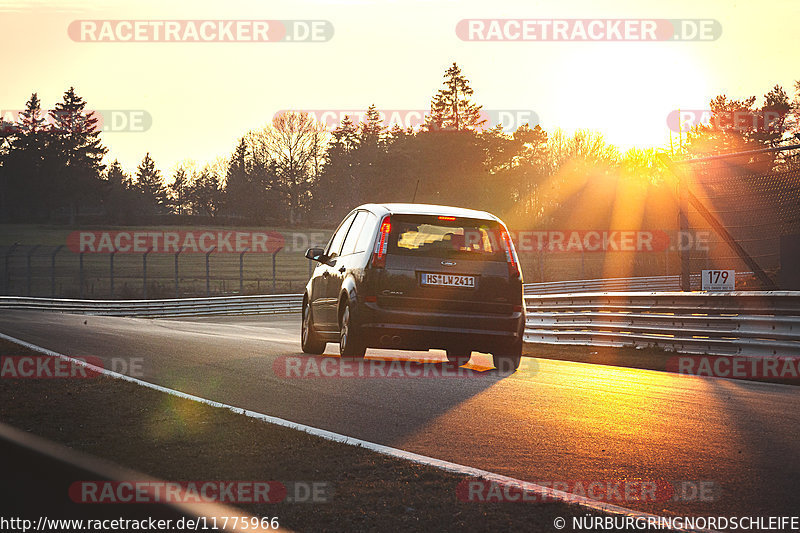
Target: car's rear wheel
column 309, row 340
column 507, row 364
column 349, row 343
column 459, row 357
column 508, row 361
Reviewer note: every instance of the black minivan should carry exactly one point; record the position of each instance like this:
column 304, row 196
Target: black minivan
column 416, row 277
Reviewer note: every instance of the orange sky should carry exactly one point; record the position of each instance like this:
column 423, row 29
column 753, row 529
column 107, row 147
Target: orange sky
column 203, row 96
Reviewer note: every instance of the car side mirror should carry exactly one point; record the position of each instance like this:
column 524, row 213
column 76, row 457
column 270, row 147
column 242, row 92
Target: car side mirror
column 316, row 254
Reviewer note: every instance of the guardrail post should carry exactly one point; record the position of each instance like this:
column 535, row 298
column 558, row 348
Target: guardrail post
column 144, row 273
column 208, row 271
column 80, row 273
column 241, row 270
column 177, row 293
column 111, row 271
column 274, row 270
column 8, row 272
column 53, row 270
column 30, row 253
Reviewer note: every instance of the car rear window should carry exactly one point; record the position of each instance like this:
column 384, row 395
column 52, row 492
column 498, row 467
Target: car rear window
column 446, row 237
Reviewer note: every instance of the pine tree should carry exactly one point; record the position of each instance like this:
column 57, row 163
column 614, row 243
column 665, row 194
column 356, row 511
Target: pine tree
column 25, row 165
column 116, row 178
column 369, row 157
column 372, row 131
column 77, row 151
column 238, row 187
column 205, row 193
column 150, row 185
column 32, row 120
column 177, row 190
column 78, row 133
column 337, row 178
column 7, row 131
column 345, row 136
column 119, row 198
column 451, row 108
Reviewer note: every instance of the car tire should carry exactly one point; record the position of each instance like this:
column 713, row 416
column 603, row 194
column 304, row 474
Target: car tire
column 508, row 361
column 309, row 339
column 349, row 343
column 507, row 364
column 459, row 357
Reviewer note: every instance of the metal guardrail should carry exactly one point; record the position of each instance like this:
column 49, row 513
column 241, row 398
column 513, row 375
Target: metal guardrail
column 649, row 283
column 640, row 283
column 731, row 323
column 222, row 305
column 288, row 303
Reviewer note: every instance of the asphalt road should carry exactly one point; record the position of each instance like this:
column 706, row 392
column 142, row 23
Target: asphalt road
column 550, row 421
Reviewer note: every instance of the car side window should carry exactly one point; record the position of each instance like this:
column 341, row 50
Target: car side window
column 335, row 246
column 367, row 233
column 351, row 240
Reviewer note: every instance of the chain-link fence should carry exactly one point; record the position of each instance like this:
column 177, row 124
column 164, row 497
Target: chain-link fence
column 58, row 272
column 747, row 203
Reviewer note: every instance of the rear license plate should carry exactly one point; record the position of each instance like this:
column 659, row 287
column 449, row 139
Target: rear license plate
column 447, row 280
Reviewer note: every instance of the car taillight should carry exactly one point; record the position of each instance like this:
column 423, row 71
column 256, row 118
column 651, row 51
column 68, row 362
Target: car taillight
column 511, row 255
column 382, row 243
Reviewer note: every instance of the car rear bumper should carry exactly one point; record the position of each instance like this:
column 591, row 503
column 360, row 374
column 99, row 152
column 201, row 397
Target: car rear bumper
column 420, row 330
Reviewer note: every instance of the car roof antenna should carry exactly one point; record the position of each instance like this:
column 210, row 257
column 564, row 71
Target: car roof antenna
column 413, row 200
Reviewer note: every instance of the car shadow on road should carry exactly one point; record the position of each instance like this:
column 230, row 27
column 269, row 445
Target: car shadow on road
column 388, row 394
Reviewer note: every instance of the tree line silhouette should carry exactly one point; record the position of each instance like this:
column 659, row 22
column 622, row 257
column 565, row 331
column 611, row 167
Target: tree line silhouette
column 294, row 171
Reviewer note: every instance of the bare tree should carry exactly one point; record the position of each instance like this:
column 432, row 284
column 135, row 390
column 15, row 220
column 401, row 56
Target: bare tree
column 293, row 143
